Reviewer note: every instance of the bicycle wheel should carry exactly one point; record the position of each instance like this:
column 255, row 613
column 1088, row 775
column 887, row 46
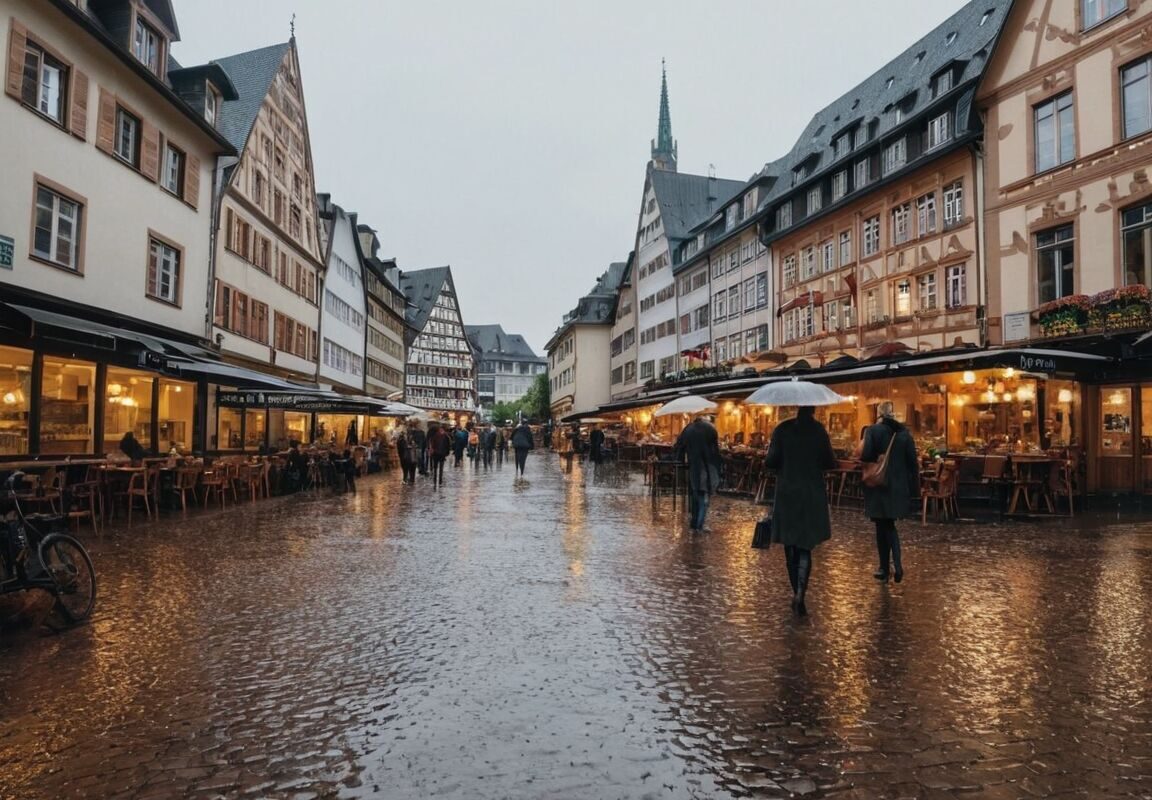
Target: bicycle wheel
column 66, row 561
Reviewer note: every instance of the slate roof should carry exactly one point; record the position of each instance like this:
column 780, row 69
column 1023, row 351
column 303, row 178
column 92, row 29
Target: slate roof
column 421, row 287
column 492, row 340
column 252, row 74
column 685, row 199
column 967, row 36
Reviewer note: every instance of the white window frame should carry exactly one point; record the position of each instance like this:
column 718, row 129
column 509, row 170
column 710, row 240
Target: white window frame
column 1136, row 85
column 1051, row 114
column 940, row 130
column 63, row 228
column 146, row 45
column 895, row 155
column 942, row 83
column 926, row 214
column 49, row 94
column 784, row 216
column 956, row 286
column 871, row 237
column 167, row 265
column 839, row 185
column 845, row 247
column 828, row 256
column 789, row 272
column 174, row 163
column 127, row 125
column 808, row 264
column 815, row 199
column 749, row 294
column 926, row 289
column 901, row 223
column 863, row 173
column 953, row 203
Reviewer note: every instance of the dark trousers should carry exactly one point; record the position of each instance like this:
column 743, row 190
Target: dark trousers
column 521, row 459
column 487, row 457
column 438, row 469
column 799, row 563
column 409, row 468
column 459, row 453
column 888, row 545
column 423, row 465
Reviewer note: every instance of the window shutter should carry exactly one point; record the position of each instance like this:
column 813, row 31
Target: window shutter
column 228, row 229
column 150, row 151
column 218, row 310
column 78, row 107
column 106, row 122
column 192, row 180
column 151, row 287
column 17, row 45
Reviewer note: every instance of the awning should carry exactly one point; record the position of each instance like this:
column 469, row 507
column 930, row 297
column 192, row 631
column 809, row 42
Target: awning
column 806, row 299
column 230, row 375
column 75, row 330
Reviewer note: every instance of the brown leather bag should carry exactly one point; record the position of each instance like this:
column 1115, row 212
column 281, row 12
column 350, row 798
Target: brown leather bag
column 875, row 476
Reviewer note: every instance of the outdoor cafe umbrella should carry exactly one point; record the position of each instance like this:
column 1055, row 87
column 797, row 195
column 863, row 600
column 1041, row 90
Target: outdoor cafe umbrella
column 794, row 393
column 688, row 404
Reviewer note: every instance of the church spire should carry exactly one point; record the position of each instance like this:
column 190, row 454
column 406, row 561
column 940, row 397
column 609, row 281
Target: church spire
column 664, row 146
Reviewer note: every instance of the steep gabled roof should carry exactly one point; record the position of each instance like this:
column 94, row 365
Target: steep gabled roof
column 492, row 339
column 252, row 74
column 421, row 288
column 685, row 199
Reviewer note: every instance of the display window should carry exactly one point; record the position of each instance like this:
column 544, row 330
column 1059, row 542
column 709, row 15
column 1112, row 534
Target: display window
column 15, row 399
column 67, row 407
column 127, row 408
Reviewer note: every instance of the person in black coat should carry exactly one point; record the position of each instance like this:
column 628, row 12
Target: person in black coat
column 700, row 446
column 132, row 448
column 886, row 504
column 596, row 446
column 800, row 452
column 521, row 444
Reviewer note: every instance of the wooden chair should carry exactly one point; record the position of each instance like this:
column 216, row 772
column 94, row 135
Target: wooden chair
column 1061, row 483
column 266, row 478
column 187, row 479
column 138, row 486
column 941, row 492
column 215, row 483
column 85, row 500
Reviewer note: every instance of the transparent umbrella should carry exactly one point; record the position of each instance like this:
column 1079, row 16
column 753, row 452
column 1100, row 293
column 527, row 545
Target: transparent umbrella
column 688, row 404
column 794, row 393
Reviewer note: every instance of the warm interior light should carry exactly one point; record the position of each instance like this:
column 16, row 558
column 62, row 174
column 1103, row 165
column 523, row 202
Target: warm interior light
column 1009, row 372
column 1064, row 396
column 969, row 377
column 177, row 389
column 115, row 389
column 10, row 398
column 990, row 396
column 1025, row 394
column 1007, row 397
column 1116, row 399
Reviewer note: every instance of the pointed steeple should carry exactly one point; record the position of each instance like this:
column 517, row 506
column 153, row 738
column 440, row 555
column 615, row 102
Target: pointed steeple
column 664, row 146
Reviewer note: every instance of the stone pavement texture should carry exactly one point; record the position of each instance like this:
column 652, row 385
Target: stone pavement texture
column 566, row 637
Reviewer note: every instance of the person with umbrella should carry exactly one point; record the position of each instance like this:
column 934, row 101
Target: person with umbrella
column 521, row 444
column 800, row 452
column 699, row 444
column 886, row 503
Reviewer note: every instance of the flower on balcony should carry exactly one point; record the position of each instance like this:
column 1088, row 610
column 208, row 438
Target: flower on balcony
column 1064, row 316
column 1124, row 307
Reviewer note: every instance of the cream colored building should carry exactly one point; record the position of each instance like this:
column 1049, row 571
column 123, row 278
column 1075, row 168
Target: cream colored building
column 580, row 350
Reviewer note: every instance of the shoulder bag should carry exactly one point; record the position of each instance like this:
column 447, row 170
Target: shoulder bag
column 762, row 537
column 875, row 476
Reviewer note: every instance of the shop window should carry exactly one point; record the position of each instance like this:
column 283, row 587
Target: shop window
column 15, row 400
column 67, row 407
column 229, row 429
column 1115, row 421
column 127, row 408
column 175, row 414
column 1060, row 419
column 254, row 420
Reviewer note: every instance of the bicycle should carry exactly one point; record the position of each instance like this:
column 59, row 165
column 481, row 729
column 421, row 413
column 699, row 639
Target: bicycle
column 34, row 556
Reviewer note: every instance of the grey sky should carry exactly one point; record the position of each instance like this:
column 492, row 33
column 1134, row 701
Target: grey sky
column 509, row 138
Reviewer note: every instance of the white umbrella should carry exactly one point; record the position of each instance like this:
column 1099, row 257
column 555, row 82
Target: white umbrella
column 794, row 393
column 688, row 404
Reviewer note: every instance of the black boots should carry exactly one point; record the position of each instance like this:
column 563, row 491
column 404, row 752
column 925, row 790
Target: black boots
column 882, row 549
column 790, row 561
column 897, row 563
column 803, row 562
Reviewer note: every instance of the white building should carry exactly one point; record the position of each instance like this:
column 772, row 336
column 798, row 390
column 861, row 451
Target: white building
column 507, row 367
column 343, row 312
column 441, row 373
column 386, row 305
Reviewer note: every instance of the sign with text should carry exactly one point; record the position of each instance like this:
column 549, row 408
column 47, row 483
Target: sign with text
column 158, row 362
column 7, row 251
column 1016, row 326
column 292, row 401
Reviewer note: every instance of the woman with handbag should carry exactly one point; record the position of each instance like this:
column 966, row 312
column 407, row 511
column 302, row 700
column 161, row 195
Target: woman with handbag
column 800, row 453
column 891, row 479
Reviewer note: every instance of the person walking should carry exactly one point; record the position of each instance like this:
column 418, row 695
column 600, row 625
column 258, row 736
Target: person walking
column 700, row 446
column 419, row 441
column 501, row 445
column 800, row 452
column 439, row 446
column 459, row 445
column 488, row 445
column 407, row 457
column 521, row 444
column 596, row 445
column 888, row 503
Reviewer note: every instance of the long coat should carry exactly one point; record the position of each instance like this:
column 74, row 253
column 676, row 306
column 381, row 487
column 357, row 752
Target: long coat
column 701, row 446
column 800, row 452
column 522, row 438
column 893, row 500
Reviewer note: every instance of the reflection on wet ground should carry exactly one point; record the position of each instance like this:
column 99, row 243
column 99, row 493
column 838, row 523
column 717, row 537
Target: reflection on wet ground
column 566, row 637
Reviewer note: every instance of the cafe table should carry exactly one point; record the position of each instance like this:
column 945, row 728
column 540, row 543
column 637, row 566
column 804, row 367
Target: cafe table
column 1030, row 482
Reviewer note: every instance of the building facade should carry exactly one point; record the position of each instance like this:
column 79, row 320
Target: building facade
column 1068, row 103
column 506, row 367
column 441, row 369
column 622, row 348
column 384, row 354
column 343, row 314
column 580, row 350
column 105, row 226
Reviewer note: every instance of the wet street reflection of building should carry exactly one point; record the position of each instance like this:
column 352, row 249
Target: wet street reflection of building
column 567, row 636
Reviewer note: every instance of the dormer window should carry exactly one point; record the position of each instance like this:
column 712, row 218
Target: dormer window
column 842, row 145
column 146, row 46
column 942, row 83
column 211, row 105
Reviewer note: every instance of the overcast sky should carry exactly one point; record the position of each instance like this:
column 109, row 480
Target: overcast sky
column 508, row 138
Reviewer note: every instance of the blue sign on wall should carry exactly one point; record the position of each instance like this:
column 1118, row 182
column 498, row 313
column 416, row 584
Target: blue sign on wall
column 7, row 251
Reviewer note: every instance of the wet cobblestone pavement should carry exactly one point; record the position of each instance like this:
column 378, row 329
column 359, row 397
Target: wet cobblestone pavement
column 567, row 638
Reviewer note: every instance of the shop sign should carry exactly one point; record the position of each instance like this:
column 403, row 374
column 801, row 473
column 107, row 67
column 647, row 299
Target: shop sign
column 1034, row 363
column 7, row 251
column 1016, row 326
column 159, row 363
column 291, row 401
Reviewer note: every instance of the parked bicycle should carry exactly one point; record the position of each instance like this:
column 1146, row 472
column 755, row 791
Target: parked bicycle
column 35, row 554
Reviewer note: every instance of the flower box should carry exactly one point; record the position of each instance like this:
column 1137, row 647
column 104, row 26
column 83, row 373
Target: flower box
column 1065, row 316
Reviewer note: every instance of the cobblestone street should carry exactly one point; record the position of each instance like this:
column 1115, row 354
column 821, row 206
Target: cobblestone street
column 567, row 638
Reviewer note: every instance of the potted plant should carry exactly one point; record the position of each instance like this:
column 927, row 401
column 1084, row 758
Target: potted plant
column 1064, row 316
column 1122, row 308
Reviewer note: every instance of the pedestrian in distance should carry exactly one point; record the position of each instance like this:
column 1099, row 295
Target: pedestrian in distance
column 501, row 445
column 407, row 457
column 596, row 445
column 459, row 445
column 800, row 452
column 887, row 503
column 419, row 441
column 521, row 444
column 439, row 446
column 488, row 445
column 699, row 445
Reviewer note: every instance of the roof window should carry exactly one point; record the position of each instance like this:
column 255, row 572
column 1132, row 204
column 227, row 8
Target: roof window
column 919, row 57
column 888, row 83
column 950, row 38
column 987, row 14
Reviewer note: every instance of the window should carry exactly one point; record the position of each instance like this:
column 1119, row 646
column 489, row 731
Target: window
column 842, row 146
column 43, row 84
column 163, row 271
column 814, row 200
column 735, row 346
column 790, row 325
column 717, row 266
column 278, row 165
column 749, row 294
column 926, row 214
column 685, row 324
column 863, row 173
column 1137, row 96
column 839, row 185
column 1055, row 132
column 1096, row 11
column 730, row 217
column 871, row 236
column 859, row 136
column 939, row 130
column 828, row 256
column 211, row 106
column 789, row 271
column 701, row 317
column 872, row 306
column 1055, row 261
column 900, row 215
column 845, row 247
column 953, row 204
column 734, row 301
column 58, row 229
column 146, row 46
column 127, row 145
column 762, row 290
column 294, row 221
column 956, row 289
column 941, row 83
column 927, row 288
column 895, row 156
column 719, row 306
column 259, row 188
column 904, row 299
column 1136, row 233
column 831, row 316
column 173, row 170
column 809, row 264
column 784, row 216
column 733, row 259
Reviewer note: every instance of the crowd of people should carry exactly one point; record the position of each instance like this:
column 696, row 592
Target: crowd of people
column 423, row 448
